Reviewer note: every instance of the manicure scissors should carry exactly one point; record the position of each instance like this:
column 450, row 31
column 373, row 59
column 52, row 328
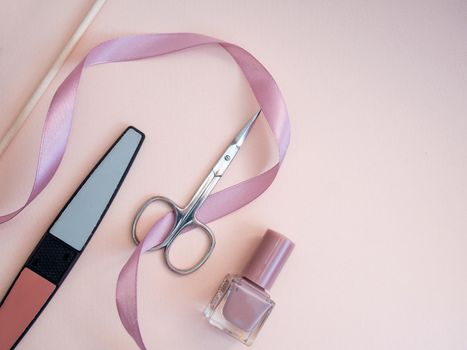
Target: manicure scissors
column 186, row 217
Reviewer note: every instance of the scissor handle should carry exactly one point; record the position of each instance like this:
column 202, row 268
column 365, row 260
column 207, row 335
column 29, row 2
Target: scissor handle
column 168, row 202
column 174, row 232
column 212, row 243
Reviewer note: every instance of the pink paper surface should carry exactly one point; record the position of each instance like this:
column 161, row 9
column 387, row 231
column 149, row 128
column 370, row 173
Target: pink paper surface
column 372, row 191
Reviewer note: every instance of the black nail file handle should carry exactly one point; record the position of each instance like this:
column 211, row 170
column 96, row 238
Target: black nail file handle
column 52, row 259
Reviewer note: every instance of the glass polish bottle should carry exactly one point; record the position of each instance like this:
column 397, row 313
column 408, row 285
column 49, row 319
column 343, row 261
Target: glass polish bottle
column 242, row 303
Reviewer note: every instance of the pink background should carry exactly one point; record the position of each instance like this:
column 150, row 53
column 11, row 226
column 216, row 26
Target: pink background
column 373, row 191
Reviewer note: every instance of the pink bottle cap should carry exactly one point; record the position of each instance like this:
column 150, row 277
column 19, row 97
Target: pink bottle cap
column 268, row 259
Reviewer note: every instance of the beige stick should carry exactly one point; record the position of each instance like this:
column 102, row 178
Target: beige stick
column 47, row 79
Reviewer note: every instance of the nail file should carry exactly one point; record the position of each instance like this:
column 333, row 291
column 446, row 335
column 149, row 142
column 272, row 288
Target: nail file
column 60, row 247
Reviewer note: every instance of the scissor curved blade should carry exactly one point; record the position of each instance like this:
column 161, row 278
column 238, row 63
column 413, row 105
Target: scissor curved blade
column 229, row 154
column 243, row 133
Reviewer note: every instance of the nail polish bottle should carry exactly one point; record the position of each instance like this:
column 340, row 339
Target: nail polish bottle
column 242, row 303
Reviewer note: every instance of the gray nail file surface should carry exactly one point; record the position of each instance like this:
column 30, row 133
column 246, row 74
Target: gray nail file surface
column 82, row 214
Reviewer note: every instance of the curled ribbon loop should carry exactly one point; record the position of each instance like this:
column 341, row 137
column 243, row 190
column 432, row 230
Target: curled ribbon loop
column 58, row 123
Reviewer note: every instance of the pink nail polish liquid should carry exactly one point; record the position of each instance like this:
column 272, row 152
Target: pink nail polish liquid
column 242, row 303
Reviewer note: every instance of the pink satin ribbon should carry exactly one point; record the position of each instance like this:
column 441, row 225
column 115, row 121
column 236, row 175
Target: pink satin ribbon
column 58, row 123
